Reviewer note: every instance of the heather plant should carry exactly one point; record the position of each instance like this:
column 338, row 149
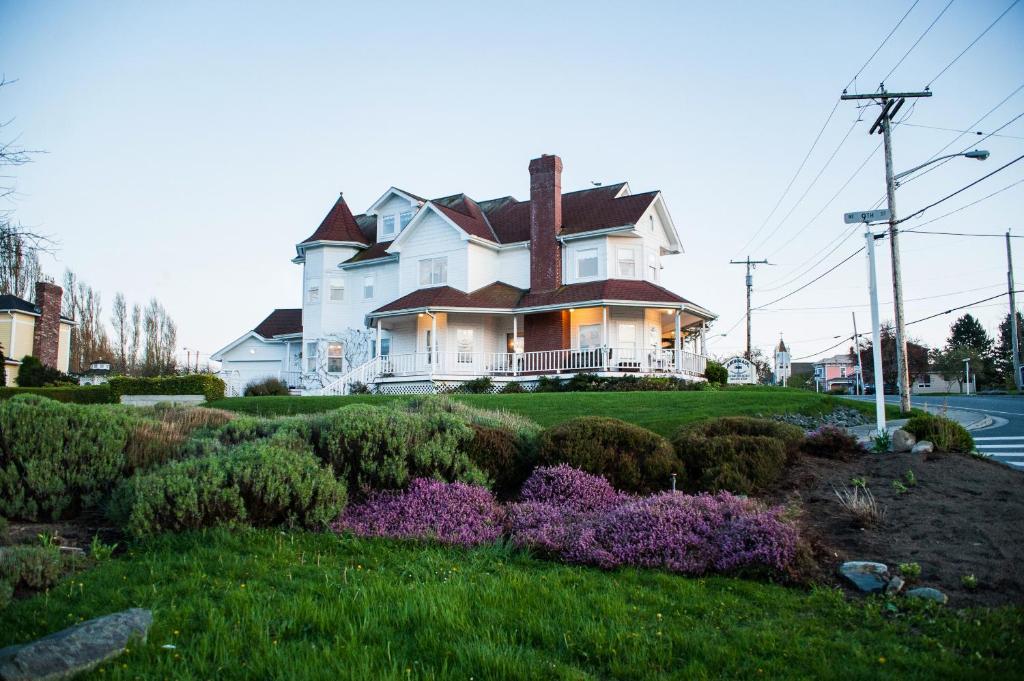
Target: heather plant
column 446, row 512
column 631, row 458
column 831, row 442
column 152, row 442
column 267, row 387
column 260, row 484
column 570, row 489
column 58, row 458
column 34, row 567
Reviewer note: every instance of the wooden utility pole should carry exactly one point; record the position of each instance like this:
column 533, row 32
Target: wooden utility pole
column 1013, row 315
column 750, row 285
column 891, row 103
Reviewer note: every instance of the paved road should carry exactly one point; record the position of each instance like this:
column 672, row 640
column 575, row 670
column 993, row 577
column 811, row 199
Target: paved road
column 1004, row 439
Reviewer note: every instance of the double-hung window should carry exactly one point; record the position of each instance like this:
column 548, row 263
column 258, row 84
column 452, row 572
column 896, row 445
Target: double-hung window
column 313, row 292
column 590, row 336
column 310, row 357
column 586, row 263
column 336, row 293
column 627, row 263
column 387, row 225
column 404, row 218
column 434, row 271
column 368, row 283
column 334, row 358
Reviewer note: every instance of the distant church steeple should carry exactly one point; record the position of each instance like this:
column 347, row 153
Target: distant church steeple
column 783, row 368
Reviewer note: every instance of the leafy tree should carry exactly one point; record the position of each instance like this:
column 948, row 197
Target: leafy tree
column 35, row 374
column 967, row 340
column 917, row 355
column 1003, row 359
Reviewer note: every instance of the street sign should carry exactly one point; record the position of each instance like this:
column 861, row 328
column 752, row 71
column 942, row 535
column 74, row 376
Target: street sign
column 866, row 216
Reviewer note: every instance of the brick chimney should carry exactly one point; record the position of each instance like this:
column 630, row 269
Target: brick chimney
column 545, row 223
column 47, row 332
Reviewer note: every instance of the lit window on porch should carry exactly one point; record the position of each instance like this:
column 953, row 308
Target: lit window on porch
column 464, row 345
column 334, row 358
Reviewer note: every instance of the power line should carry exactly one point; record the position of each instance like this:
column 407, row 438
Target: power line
column 1000, row 236
column 882, row 44
column 955, row 309
column 973, row 42
column 816, row 279
column 916, row 42
column 962, row 132
column 964, row 207
column 838, row 241
column 962, row 189
column 973, row 144
column 845, row 307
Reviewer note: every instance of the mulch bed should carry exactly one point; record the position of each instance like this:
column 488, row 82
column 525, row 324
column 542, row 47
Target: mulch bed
column 964, row 516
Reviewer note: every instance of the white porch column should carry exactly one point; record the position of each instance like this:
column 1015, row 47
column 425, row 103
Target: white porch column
column 606, row 352
column 678, row 342
column 515, row 340
column 433, row 341
column 378, row 338
column 703, row 339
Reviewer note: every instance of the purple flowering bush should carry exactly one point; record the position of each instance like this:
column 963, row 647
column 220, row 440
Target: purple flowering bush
column 689, row 534
column 450, row 513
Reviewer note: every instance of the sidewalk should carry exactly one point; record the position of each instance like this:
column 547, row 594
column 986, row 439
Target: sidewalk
column 970, row 420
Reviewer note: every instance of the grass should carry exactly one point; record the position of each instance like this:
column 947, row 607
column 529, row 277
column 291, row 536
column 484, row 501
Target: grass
column 298, row 605
column 661, row 412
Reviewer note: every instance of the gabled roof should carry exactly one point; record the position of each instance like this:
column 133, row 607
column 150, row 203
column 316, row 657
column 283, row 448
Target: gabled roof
column 341, row 225
column 378, row 250
column 281, row 322
column 10, row 302
column 466, row 213
column 497, row 295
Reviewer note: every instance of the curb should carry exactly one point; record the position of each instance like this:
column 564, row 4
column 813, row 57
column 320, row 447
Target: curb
column 984, row 422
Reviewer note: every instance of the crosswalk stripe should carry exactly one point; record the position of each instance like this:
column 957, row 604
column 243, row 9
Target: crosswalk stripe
column 988, row 446
column 1002, row 437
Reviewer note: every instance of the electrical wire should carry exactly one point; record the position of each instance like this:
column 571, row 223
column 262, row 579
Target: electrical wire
column 964, row 207
column 973, row 42
column 838, row 243
column 963, row 132
column 845, row 307
column 1000, row 236
column 962, row 189
column 812, row 281
column 919, row 39
column 961, row 152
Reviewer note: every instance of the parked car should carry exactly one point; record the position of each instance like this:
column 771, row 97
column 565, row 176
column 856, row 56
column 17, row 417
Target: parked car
column 889, row 388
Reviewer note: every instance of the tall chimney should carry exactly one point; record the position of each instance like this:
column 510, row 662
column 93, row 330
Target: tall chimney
column 47, row 331
column 545, row 223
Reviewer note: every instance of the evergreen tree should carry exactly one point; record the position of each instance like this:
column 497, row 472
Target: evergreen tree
column 1004, row 349
column 967, row 340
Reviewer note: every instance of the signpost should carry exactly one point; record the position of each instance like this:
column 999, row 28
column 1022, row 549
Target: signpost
column 741, row 371
column 880, row 215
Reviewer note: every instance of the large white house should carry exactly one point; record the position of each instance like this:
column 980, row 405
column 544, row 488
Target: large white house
column 416, row 294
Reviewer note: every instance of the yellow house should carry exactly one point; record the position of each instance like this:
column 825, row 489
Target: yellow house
column 34, row 329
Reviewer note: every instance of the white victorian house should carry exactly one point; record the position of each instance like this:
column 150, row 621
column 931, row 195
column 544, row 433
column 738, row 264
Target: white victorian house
column 416, row 294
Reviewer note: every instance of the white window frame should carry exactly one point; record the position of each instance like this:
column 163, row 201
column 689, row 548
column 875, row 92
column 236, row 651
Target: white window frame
column 580, row 259
column 336, row 291
column 404, row 218
column 369, row 286
column 311, row 356
column 630, row 260
column 462, row 355
column 384, row 231
column 434, row 271
column 652, row 271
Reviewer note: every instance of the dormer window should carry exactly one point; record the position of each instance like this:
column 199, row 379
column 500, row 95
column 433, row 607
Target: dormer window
column 586, row 263
column 627, row 263
column 404, row 218
column 388, row 225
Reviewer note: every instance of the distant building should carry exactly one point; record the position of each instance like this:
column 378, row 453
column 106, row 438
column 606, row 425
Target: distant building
column 838, row 371
column 97, row 373
column 783, row 367
column 933, row 382
column 36, row 329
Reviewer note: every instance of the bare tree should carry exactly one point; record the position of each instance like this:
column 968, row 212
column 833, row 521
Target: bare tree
column 161, row 335
column 119, row 321
column 19, row 262
column 89, row 340
column 136, row 340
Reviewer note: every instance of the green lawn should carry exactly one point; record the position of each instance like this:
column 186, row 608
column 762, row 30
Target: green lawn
column 298, row 605
column 662, row 412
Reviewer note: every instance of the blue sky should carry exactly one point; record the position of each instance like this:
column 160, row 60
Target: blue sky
column 190, row 145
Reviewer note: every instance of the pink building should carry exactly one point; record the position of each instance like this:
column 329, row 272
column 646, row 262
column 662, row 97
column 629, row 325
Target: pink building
column 839, row 371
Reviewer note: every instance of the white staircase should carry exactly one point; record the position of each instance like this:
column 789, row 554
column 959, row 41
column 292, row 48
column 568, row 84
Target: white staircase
column 365, row 373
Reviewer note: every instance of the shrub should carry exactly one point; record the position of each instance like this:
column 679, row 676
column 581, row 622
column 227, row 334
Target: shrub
column 735, row 453
column 6, row 593
column 34, row 374
column 716, row 373
column 570, row 489
column 191, row 419
column 947, row 435
column 497, row 453
column 58, row 458
column 860, row 503
column 267, row 387
column 512, row 388
column 631, row 458
column 250, row 428
column 258, row 484
column 78, row 394
column 374, row 448
column 678, row 532
column 549, row 385
column 209, row 386
column 450, row 513
column 359, row 388
column 478, row 386
column 34, row 567
column 153, row 442
column 831, row 442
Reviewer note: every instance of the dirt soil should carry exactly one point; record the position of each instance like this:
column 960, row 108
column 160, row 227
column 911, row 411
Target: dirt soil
column 964, row 516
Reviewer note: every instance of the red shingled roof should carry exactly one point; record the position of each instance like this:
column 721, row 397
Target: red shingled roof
column 378, row 250
column 279, row 322
column 496, row 295
column 339, row 225
column 505, row 297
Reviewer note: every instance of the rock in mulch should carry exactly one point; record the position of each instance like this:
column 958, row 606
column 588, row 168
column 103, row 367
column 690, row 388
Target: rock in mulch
column 928, row 593
column 895, row 585
column 844, row 417
column 867, row 576
column 76, row 649
column 924, row 447
column 902, row 441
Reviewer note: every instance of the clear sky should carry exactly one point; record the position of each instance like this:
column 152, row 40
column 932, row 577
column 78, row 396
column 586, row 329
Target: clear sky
column 190, row 145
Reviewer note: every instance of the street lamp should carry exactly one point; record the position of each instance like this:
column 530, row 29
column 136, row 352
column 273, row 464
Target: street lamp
column 979, row 154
